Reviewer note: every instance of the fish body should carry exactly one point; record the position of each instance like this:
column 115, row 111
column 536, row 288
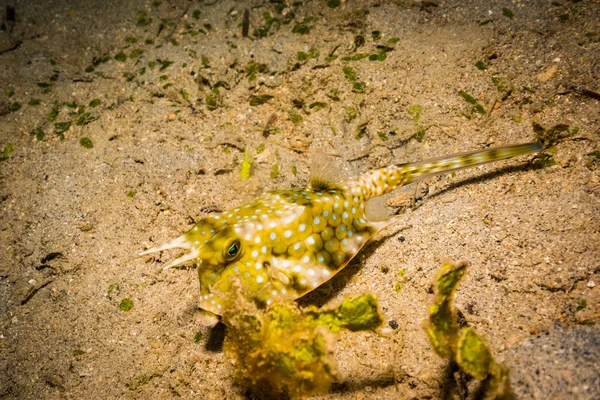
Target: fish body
column 288, row 242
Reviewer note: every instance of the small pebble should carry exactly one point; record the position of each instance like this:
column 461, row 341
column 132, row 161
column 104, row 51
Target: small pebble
column 547, row 74
column 591, row 284
column 393, row 324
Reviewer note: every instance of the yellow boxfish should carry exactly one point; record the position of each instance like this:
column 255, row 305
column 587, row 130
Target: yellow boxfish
column 287, row 242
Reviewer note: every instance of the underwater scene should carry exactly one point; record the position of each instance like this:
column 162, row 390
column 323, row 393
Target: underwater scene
column 276, row 199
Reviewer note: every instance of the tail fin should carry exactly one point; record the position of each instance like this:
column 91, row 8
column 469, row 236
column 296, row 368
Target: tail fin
column 384, row 180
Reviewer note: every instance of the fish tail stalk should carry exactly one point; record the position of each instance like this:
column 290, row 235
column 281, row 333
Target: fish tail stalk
column 384, row 180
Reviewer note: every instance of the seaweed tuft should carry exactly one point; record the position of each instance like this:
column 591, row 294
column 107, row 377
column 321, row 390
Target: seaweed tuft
column 285, row 351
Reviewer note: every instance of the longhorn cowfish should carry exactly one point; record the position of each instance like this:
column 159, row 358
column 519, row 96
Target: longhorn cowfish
column 288, row 242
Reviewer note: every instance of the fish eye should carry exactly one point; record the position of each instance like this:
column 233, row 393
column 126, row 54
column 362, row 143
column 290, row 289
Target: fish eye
column 232, row 250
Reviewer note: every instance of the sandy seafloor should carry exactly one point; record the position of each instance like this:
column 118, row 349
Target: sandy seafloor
column 161, row 158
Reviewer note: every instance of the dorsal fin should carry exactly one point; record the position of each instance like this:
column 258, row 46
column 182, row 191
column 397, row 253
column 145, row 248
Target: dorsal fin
column 325, row 171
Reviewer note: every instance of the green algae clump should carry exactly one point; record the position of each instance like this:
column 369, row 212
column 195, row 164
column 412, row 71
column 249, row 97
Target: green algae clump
column 471, row 100
column 6, row 151
column 246, row 165
column 442, row 328
column 463, row 345
column 473, row 354
column 354, row 314
column 284, row 350
column 126, row 305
